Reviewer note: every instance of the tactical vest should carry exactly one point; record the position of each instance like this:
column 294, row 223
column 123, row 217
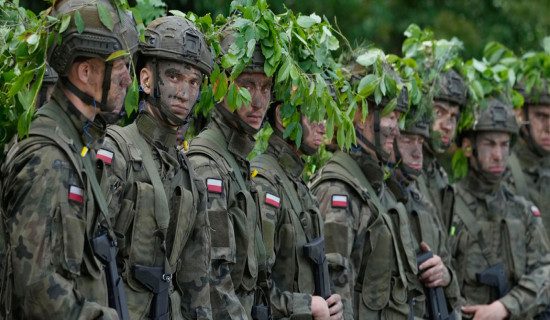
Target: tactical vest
column 250, row 256
column 157, row 225
column 381, row 286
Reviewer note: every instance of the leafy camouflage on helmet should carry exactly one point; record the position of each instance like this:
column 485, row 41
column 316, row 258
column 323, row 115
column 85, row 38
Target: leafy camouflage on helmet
column 451, row 88
column 96, row 39
column 498, row 116
column 535, row 96
column 228, row 38
column 177, row 38
column 417, row 125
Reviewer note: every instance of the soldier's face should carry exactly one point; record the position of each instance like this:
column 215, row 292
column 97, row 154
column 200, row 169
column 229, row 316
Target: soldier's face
column 259, row 86
column 446, row 117
column 120, row 80
column 179, row 85
column 493, row 151
column 389, row 131
column 410, row 147
column 539, row 118
column 313, row 132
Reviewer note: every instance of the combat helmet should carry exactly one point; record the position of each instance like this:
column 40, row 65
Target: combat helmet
column 175, row 39
column 537, row 96
column 50, row 76
column 95, row 41
column 450, row 87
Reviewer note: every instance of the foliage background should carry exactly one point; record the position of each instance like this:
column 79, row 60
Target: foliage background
column 519, row 25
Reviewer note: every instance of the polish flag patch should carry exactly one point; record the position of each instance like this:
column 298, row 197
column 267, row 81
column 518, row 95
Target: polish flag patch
column 339, row 201
column 76, row 194
column 105, row 155
column 214, row 185
column 535, row 210
column 272, row 200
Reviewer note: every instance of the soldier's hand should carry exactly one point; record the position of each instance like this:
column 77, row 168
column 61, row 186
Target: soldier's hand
column 336, row 308
column 319, row 308
column 433, row 272
column 493, row 311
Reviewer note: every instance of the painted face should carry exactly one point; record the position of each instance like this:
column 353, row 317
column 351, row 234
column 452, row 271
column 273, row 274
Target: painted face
column 259, row 86
column 493, row 151
column 313, row 132
column 389, row 131
column 410, row 148
column 179, row 85
column 446, row 117
column 539, row 117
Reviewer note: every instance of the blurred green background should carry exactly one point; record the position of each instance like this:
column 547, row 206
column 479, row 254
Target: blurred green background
column 519, row 25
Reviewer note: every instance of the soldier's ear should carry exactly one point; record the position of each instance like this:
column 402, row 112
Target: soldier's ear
column 146, row 80
column 278, row 119
column 467, row 147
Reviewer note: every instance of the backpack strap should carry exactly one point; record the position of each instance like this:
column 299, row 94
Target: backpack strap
column 519, row 176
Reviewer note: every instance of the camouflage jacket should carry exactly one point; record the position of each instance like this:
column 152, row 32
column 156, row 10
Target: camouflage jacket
column 434, row 184
column 492, row 226
column 177, row 238
column 238, row 253
column 51, row 216
column 528, row 175
column 287, row 227
column 362, row 246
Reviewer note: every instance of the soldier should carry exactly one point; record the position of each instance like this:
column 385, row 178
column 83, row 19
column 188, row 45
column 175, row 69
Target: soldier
column 363, row 247
column 501, row 252
column 449, row 98
column 427, row 230
column 53, row 209
column 529, row 166
column 291, row 219
column 158, row 203
column 219, row 155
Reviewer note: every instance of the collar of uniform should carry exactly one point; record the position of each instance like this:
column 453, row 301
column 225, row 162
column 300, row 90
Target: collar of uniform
column 155, row 133
column 289, row 160
column 96, row 129
column 530, row 160
column 370, row 166
column 475, row 183
column 238, row 142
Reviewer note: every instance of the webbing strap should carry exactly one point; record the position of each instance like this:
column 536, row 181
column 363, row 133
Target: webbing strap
column 519, row 177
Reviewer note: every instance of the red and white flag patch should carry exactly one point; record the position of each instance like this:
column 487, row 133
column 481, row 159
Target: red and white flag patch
column 105, row 155
column 535, row 210
column 272, row 200
column 214, row 185
column 339, row 201
column 76, row 194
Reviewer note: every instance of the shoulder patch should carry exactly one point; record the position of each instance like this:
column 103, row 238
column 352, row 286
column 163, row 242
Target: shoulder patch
column 105, row 155
column 339, row 201
column 214, row 185
column 535, row 210
column 76, row 194
column 272, row 200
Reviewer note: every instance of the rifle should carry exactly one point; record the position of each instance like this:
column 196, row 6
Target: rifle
column 494, row 276
column 104, row 249
column 437, row 304
column 315, row 251
column 158, row 283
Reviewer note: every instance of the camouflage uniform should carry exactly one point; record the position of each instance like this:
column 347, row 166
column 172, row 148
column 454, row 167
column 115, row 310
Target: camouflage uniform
column 51, row 216
column 286, row 228
column 238, row 254
column 177, row 239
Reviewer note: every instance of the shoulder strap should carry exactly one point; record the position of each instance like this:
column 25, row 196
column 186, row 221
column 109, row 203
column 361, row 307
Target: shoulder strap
column 519, row 177
column 464, row 212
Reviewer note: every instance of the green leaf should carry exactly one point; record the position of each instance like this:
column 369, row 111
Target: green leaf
column 330, row 127
column 460, row 164
column 78, row 22
column 229, row 60
column 389, row 108
column 289, row 128
column 293, row 72
column 368, row 58
column 251, row 45
column 546, row 44
column 65, row 23
column 232, row 96
column 298, row 137
column 177, row 13
column 245, row 94
column 284, row 71
column 220, row 89
column 132, row 97
column 308, row 22
column 105, row 16
column 341, row 136
column 117, row 54
column 32, row 39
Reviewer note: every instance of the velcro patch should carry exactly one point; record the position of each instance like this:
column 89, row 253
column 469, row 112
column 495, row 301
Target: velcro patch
column 535, row 210
column 76, row 194
column 272, row 200
column 105, row 155
column 214, row 185
column 339, row 201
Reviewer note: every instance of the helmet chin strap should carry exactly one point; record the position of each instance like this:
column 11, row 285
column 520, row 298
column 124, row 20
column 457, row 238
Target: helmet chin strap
column 241, row 124
column 377, row 146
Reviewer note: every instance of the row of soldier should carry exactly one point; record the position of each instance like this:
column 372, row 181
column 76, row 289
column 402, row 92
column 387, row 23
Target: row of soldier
column 119, row 222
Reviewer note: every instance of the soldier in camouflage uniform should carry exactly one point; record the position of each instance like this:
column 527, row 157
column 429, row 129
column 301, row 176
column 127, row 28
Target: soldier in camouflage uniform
column 529, row 167
column 52, row 205
column 291, row 219
column 449, row 98
column 493, row 228
column 219, row 156
column 158, row 203
column 370, row 261
column 425, row 223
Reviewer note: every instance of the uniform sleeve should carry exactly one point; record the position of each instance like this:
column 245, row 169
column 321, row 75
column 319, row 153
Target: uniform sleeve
column 46, row 218
column 284, row 304
column 532, row 292
column 340, row 228
column 225, row 303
